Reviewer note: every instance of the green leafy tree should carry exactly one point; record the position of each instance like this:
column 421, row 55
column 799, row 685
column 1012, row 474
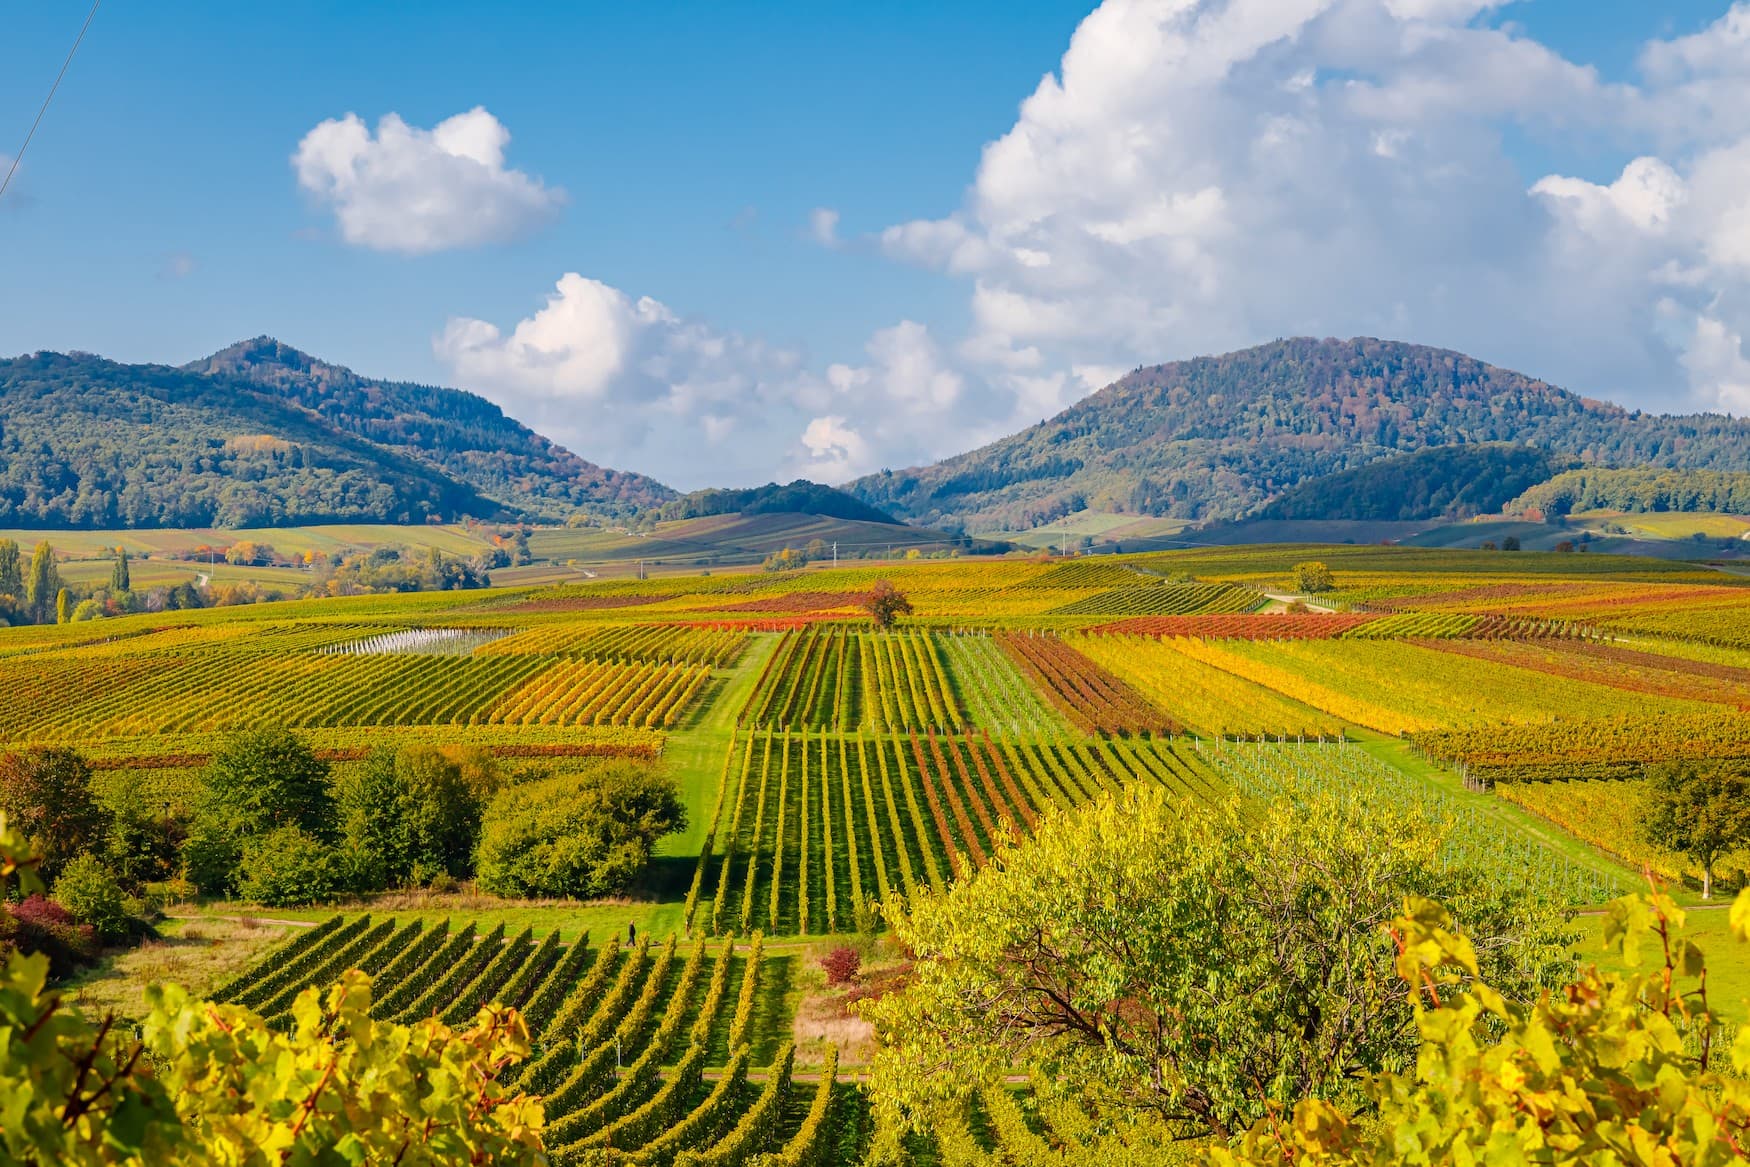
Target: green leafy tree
column 580, row 836
column 885, row 604
column 271, row 778
column 119, row 577
column 46, row 794
column 1700, row 809
column 1605, row 1072
column 1188, row 966
column 788, row 559
column 86, row 888
column 43, row 585
column 1313, row 577
column 415, row 814
column 259, row 781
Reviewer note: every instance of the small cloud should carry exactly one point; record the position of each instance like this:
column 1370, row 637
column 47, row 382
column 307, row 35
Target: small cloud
column 178, row 265
column 417, row 191
column 823, row 226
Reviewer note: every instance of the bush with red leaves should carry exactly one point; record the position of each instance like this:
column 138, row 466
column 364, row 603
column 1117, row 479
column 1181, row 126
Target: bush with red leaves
column 842, row 966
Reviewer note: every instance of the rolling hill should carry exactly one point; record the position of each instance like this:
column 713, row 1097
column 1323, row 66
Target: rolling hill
column 1217, row 438
column 464, row 435
column 263, row 435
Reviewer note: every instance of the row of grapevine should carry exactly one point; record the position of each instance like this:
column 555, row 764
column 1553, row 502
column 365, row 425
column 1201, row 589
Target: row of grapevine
column 640, row 643
column 1165, row 599
column 591, row 693
column 827, row 677
column 624, row 1038
column 1244, row 626
column 812, row 829
column 1586, row 747
column 1091, row 697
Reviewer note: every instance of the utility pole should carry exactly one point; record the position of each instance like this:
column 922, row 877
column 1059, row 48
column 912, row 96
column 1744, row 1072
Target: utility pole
column 835, row 553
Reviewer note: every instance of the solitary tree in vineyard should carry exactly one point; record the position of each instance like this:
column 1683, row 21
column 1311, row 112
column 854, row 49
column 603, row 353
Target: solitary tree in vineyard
column 1313, row 576
column 1700, row 809
column 885, row 604
column 118, row 576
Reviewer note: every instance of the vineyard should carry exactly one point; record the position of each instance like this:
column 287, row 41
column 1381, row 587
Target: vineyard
column 651, row 1049
column 832, row 774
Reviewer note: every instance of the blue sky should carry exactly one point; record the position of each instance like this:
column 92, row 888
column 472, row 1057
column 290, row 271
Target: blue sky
column 158, row 214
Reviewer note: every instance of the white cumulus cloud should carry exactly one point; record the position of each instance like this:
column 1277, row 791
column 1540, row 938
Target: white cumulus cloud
column 414, row 191
column 1200, row 175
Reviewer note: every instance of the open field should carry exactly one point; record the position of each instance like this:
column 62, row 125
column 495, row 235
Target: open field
column 828, row 770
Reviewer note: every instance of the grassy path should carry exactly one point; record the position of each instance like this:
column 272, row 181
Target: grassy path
column 694, row 754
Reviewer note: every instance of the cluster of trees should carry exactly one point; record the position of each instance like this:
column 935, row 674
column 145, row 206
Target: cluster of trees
column 275, row 826
column 1638, row 489
column 31, row 593
column 396, row 569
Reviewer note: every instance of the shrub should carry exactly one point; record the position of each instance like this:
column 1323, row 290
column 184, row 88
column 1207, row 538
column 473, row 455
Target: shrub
column 579, row 836
column 86, row 888
column 288, row 866
column 842, row 966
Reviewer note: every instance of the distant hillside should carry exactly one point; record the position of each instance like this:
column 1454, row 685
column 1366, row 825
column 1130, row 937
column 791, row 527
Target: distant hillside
column 263, row 435
column 466, row 436
column 1217, row 437
column 1441, row 482
column 1637, row 489
column 86, row 442
column 799, row 497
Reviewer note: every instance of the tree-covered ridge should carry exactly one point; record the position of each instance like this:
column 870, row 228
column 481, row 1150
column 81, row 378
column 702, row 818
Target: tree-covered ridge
column 798, row 497
column 86, row 442
column 466, row 435
column 1455, row 482
column 1637, row 489
column 1215, row 437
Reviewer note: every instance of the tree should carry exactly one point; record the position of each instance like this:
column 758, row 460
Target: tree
column 119, row 579
column 413, row 815
column 46, row 793
column 1700, row 809
column 885, row 604
column 1601, row 1072
column 270, row 778
column 1185, row 964
column 11, row 571
column 1510, row 543
column 44, row 584
column 63, row 606
column 580, row 836
column 1312, row 577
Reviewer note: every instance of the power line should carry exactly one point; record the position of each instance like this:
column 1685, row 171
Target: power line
column 77, row 41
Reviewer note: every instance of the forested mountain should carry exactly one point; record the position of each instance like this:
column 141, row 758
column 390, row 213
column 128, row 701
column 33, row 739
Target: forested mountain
column 1217, row 437
column 466, row 435
column 798, row 497
column 1636, row 489
column 1440, row 482
column 260, row 435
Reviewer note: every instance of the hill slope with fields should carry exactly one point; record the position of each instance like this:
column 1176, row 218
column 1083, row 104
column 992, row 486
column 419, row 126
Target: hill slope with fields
column 1216, row 438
